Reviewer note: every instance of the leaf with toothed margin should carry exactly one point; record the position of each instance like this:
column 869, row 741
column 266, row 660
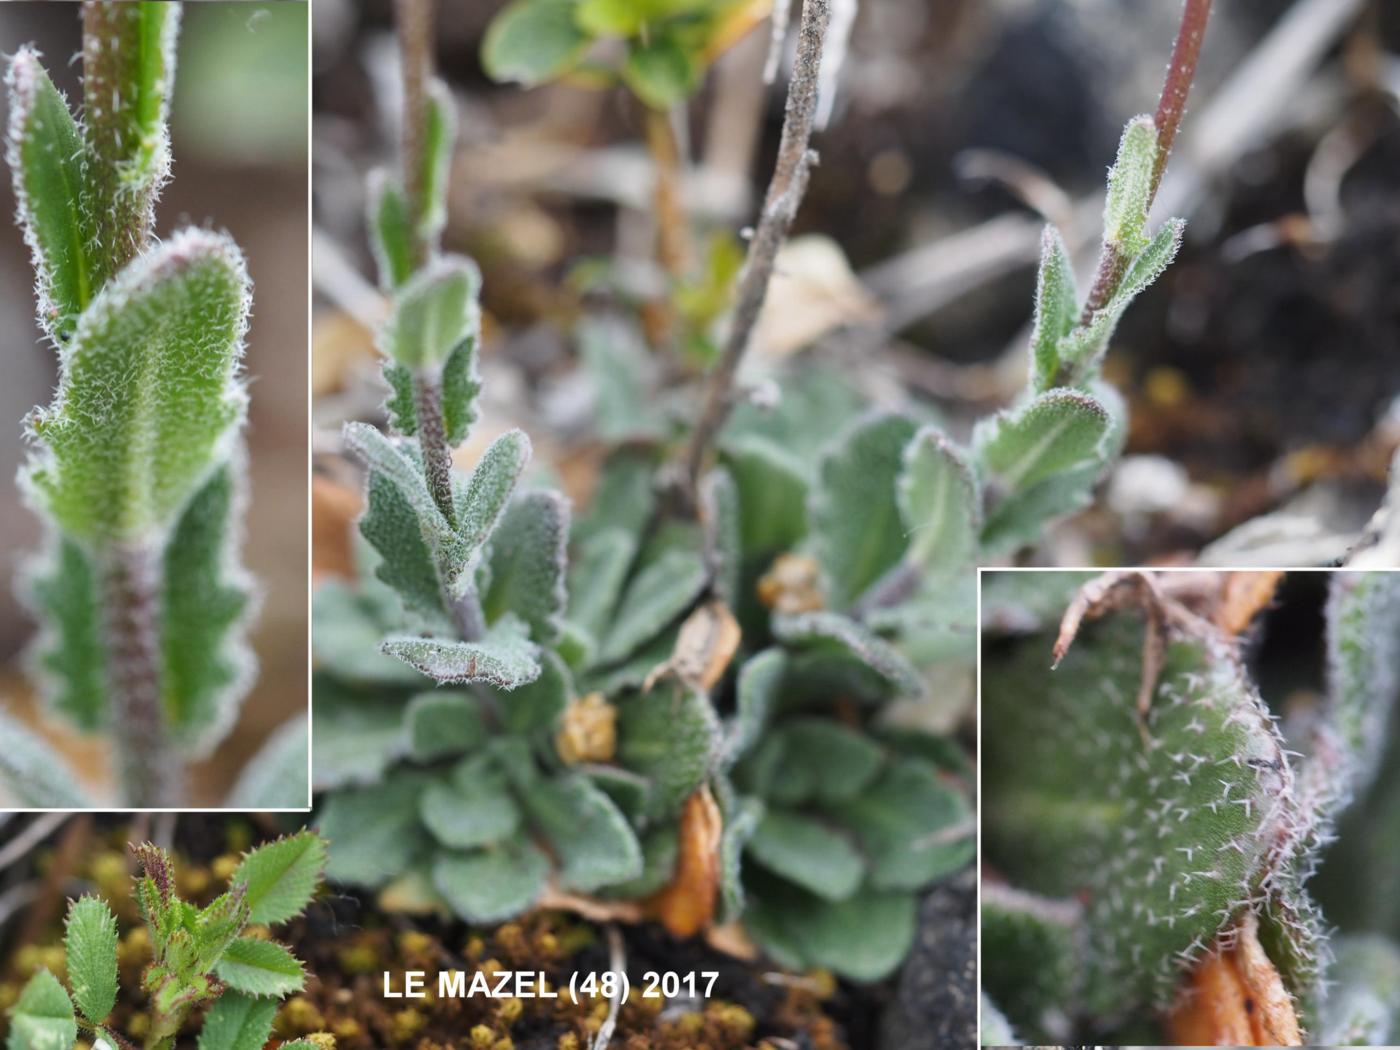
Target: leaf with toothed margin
column 45, row 154
column 1169, row 836
column 433, row 313
column 389, row 235
column 392, row 528
column 42, row 1016
column 483, row 500
column 656, row 597
column 260, row 968
column 68, row 655
column 238, row 1022
column 490, row 885
column 393, row 459
column 206, row 663
column 461, row 384
column 1056, row 309
column 504, row 657
column 528, row 559
column 90, row 940
column 148, row 395
column 439, row 137
column 856, row 525
column 831, row 642
column 34, row 774
column 939, row 502
column 281, row 876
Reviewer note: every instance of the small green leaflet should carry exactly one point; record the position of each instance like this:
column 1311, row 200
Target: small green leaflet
column 42, row 1018
column 260, row 968
column 940, row 502
column 281, row 876
column 433, row 313
column 91, row 942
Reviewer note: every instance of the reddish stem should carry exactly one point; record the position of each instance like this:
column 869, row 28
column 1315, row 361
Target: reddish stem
column 1180, row 73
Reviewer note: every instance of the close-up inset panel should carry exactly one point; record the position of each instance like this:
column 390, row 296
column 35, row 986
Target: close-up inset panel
column 152, row 419
column 1188, row 786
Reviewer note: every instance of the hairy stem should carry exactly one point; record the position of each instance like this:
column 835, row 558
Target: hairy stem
column 125, row 215
column 1181, row 71
column 415, row 34
column 780, row 205
column 432, row 438
column 148, row 771
column 467, row 616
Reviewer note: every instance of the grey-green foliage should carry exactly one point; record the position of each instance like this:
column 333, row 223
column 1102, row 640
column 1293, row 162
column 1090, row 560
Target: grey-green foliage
column 138, row 453
column 1167, row 833
column 201, row 957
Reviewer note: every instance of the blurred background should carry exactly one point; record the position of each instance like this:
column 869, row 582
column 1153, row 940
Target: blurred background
column 1261, row 371
column 238, row 137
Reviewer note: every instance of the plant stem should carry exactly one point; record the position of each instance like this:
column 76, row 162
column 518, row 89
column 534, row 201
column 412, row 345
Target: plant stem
column 415, row 33
column 780, row 205
column 148, row 772
column 1171, row 106
column 432, row 438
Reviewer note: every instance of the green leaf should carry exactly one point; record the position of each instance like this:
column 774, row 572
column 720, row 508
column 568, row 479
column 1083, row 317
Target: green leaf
column 148, row 396
column 856, row 525
column 276, row 777
column 406, row 564
column 622, row 372
column 657, row 596
column 534, row 706
column 461, row 384
column 505, row 657
column 528, row 558
column 215, row 927
column 91, row 944
column 1030, row 955
column 444, row 723
column 126, row 103
column 394, row 459
column 347, row 626
column 493, row 884
column 374, row 833
column 596, row 578
column 1130, row 188
column 808, row 853
column 42, row 1017
column 624, row 497
column 820, row 761
column 659, row 848
column 828, row 640
column 32, row 773
column 863, row 938
column 670, row 739
column 756, row 701
column 433, row 313
column 238, row 1022
column 772, row 494
column 206, row 664
column 45, row 154
column 472, row 808
column 282, row 876
column 359, row 734
column 1054, row 434
column 532, row 41
column 439, row 137
column 389, row 235
column 69, row 655
column 591, row 840
column 898, row 821
column 260, row 968
column 660, row 72
column 1056, row 309
column 940, row 503
column 488, row 492
column 1363, row 666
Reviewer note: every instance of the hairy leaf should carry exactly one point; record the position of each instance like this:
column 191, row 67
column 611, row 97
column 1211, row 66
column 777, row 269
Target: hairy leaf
column 1030, row 955
column 91, row 943
column 829, row 639
column 444, row 723
column 591, row 841
column 528, row 558
column 374, row 833
column 282, row 876
column 656, row 597
column 772, row 492
column 45, row 154
column 439, row 137
column 493, row 884
column 391, row 526
column 671, row 740
column 461, row 384
column 487, row 494
column 148, row 395
column 505, row 657
column 1055, row 433
column 863, row 938
column 42, row 1017
column 206, row 663
column 395, row 461
column 1130, row 188
column 806, row 852
column 260, row 968
column 940, row 503
column 474, row 807
column 433, row 313
column 596, row 578
column 389, row 235
column 348, row 625
column 32, row 773
column 276, row 777
column 358, row 734
column 856, row 525
column 756, row 701
column 1056, row 309
column 238, row 1022
column 535, row 705
column 68, row 655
